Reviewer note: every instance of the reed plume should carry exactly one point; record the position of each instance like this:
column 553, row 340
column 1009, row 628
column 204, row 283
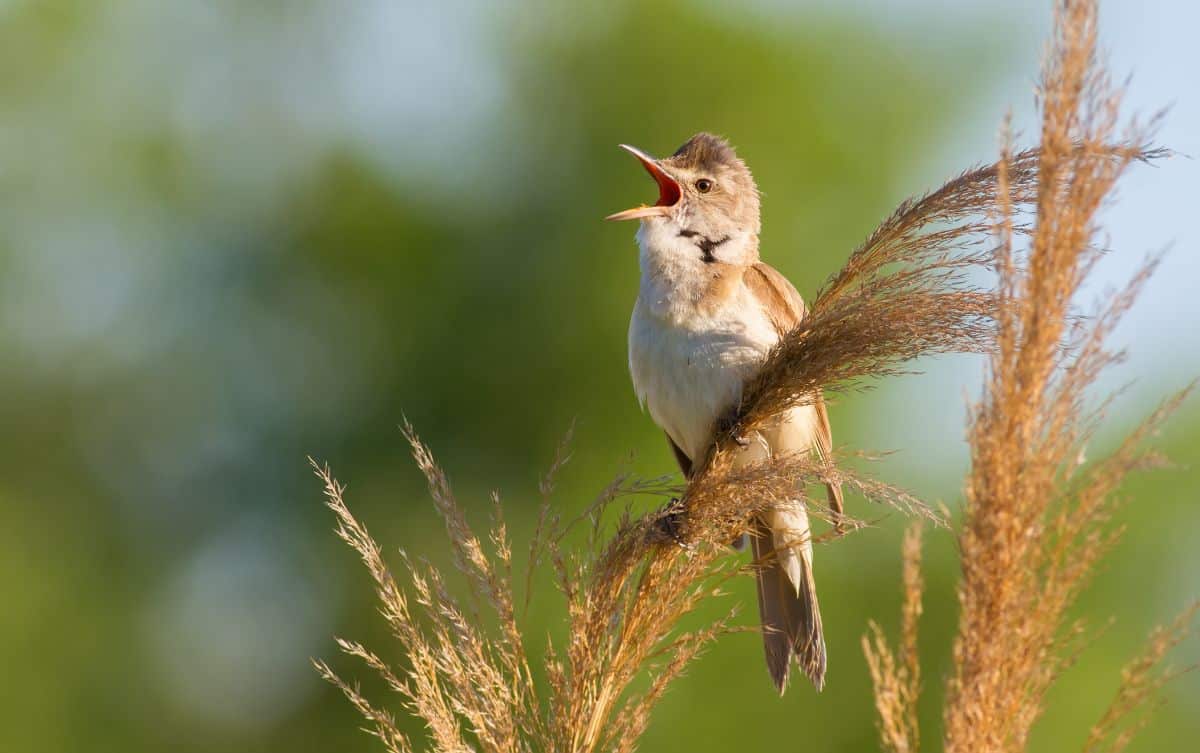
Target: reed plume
column 904, row 293
column 1037, row 516
column 897, row 678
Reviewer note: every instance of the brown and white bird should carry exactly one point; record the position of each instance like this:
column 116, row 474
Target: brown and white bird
column 708, row 311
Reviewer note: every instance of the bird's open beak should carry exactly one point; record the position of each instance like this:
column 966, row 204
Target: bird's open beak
column 668, row 189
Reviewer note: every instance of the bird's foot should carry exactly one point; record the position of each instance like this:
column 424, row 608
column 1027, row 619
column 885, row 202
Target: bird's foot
column 669, row 525
column 728, row 425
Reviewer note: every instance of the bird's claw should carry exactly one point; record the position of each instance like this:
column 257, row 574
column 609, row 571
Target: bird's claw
column 728, row 426
column 668, row 525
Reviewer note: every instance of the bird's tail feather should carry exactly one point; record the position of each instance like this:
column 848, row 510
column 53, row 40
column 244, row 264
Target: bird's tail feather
column 791, row 616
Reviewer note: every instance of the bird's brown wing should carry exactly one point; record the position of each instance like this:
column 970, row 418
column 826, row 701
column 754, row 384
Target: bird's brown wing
column 785, row 308
column 779, row 298
column 825, row 449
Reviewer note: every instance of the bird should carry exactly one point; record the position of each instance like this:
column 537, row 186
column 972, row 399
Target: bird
column 708, row 312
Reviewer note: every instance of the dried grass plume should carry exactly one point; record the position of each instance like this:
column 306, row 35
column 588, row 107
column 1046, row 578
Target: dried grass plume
column 1037, row 516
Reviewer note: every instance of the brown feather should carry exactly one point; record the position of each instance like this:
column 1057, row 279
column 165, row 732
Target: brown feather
column 825, row 447
column 778, row 297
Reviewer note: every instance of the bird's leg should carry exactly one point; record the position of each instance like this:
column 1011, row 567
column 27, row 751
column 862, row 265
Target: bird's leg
column 668, row 525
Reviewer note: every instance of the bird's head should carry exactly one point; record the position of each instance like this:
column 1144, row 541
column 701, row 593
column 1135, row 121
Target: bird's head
column 704, row 191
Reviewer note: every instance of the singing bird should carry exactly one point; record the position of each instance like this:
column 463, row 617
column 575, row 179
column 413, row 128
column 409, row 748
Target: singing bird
column 707, row 313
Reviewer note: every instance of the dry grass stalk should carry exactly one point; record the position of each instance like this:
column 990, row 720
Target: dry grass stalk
column 903, row 294
column 897, row 679
column 1037, row 516
column 1035, row 519
column 474, row 689
column 1141, row 682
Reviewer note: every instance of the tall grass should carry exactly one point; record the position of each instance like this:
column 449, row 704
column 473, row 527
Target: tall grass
column 1035, row 517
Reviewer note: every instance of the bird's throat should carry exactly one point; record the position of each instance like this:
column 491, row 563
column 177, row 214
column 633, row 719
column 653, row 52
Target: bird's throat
column 704, row 244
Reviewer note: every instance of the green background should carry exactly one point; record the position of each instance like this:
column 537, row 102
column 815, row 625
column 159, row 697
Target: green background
column 235, row 234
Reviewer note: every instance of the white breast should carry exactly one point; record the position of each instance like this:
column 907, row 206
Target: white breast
column 689, row 367
column 690, row 360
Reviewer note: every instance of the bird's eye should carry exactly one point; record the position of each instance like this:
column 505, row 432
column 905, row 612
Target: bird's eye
column 704, row 185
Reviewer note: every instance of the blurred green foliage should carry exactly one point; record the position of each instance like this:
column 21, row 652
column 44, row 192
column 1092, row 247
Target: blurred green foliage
column 234, row 234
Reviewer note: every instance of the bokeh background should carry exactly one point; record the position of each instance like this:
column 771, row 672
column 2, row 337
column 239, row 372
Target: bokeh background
column 233, row 234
